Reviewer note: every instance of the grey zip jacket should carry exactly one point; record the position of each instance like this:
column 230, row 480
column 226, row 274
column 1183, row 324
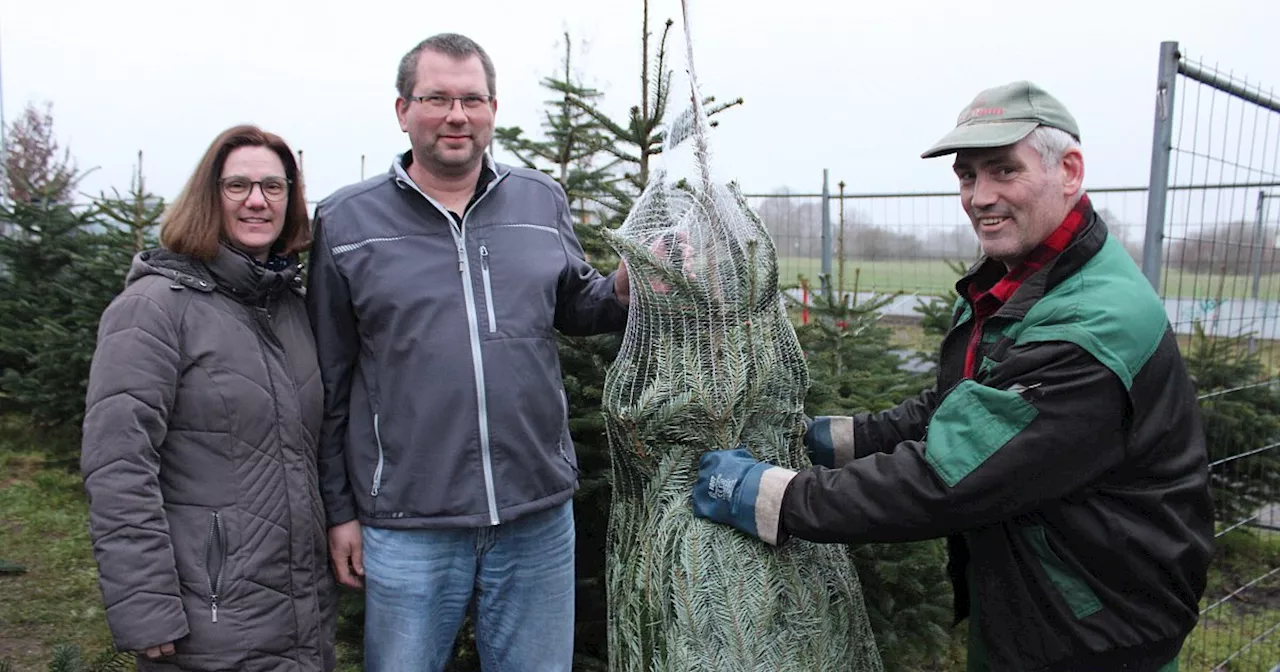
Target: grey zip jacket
column 444, row 405
column 199, row 459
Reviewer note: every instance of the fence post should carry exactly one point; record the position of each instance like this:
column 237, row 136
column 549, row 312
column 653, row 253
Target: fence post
column 1258, row 243
column 826, row 235
column 839, row 249
column 1256, row 262
column 1161, row 144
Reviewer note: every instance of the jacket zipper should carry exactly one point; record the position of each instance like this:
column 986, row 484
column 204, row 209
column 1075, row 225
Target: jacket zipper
column 215, row 576
column 482, row 401
column 377, row 471
column 477, row 359
column 488, row 287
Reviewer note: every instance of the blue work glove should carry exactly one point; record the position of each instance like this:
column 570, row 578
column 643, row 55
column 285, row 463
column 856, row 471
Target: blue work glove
column 829, row 440
column 735, row 489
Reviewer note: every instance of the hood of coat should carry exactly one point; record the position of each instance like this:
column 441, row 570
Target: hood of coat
column 231, row 272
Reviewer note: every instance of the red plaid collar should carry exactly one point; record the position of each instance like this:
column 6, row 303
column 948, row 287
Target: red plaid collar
column 987, row 302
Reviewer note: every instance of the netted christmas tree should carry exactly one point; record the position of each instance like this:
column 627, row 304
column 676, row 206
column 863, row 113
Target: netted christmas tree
column 709, row 360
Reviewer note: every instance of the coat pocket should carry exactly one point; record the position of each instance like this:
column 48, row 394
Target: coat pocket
column 1074, row 590
column 382, row 458
column 215, row 558
column 488, row 287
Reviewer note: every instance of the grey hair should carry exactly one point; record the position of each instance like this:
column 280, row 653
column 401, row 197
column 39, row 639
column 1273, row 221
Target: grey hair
column 454, row 45
column 1052, row 144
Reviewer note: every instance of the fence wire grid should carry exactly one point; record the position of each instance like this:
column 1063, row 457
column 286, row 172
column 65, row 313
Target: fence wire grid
column 1217, row 259
column 1205, row 231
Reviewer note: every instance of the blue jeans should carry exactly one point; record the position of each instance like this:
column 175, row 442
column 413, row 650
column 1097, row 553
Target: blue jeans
column 419, row 583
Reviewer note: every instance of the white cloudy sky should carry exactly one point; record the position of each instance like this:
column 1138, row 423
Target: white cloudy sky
column 858, row 87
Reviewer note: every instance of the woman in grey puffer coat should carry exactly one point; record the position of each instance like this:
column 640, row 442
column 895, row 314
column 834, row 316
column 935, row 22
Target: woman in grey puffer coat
column 199, row 452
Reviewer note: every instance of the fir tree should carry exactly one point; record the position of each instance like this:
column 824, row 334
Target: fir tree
column 62, row 264
column 574, row 153
column 603, row 166
column 36, row 167
column 133, row 217
column 48, row 332
column 1239, row 416
column 853, row 368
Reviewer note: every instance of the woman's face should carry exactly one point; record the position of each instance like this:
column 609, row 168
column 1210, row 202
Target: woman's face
column 255, row 197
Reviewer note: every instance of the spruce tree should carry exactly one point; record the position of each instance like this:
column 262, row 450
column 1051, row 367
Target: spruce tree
column 47, row 334
column 574, row 151
column 62, row 264
column 1240, row 416
column 603, row 166
column 853, row 368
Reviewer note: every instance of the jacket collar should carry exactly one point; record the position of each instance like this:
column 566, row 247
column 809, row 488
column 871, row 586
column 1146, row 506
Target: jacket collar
column 491, row 173
column 1087, row 242
column 247, row 280
column 231, row 272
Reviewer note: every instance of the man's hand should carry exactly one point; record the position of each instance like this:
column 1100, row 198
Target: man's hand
column 157, row 651
column 622, row 284
column 735, row 489
column 829, row 440
column 661, row 248
column 346, row 551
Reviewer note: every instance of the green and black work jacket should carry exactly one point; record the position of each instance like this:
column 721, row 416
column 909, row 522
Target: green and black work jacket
column 1069, row 473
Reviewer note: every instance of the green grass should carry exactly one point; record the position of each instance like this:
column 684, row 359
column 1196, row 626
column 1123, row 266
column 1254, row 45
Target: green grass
column 926, row 277
column 1243, row 556
column 936, row 277
column 44, row 528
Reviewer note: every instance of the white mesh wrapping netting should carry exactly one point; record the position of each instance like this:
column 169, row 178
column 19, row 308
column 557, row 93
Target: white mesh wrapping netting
column 709, row 360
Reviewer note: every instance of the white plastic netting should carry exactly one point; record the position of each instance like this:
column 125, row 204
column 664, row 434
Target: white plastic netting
column 709, row 360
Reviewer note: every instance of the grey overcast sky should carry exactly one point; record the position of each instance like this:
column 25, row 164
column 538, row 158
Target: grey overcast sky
column 858, row 87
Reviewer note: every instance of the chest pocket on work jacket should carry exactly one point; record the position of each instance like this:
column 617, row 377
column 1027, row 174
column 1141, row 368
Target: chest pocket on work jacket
column 520, row 267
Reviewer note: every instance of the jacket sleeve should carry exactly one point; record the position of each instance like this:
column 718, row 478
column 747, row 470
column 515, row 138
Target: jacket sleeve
column 882, row 432
column 133, row 381
column 1047, row 422
column 333, row 322
column 585, row 301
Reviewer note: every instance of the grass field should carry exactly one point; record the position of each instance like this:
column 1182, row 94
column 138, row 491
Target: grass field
column 1243, row 634
column 44, row 529
column 936, row 277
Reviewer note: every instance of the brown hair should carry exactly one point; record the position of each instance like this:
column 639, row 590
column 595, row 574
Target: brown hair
column 453, row 45
column 193, row 224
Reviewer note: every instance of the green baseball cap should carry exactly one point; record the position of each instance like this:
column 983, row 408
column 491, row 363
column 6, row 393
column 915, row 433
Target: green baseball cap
column 1002, row 116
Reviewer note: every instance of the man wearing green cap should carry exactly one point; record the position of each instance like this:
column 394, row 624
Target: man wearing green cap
column 1060, row 452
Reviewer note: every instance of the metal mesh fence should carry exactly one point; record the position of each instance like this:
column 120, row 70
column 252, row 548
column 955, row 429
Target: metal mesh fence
column 902, row 243
column 1206, row 232
column 1211, row 248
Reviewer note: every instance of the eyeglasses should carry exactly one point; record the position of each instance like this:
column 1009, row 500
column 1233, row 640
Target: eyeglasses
column 440, row 104
column 238, row 188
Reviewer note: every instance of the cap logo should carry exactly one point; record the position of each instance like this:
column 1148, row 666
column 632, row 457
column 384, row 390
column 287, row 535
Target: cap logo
column 976, row 112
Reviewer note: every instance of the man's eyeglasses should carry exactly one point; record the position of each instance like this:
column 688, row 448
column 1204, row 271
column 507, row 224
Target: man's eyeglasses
column 238, row 188
column 441, row 104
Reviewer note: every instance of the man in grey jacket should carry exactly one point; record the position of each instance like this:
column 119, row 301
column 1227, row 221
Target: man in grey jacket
column 445, row 460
